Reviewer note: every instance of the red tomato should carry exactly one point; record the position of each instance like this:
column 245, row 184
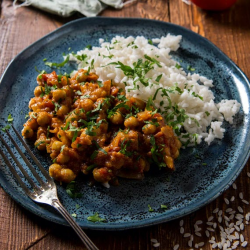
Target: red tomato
column 214, row 4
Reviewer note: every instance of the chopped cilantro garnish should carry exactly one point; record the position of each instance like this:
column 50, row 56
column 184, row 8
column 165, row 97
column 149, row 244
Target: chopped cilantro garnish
column 96, row 218
column 190, row 68
column 164, row 206
column 47, row 135
column 150, row 209
column 150, row 42
column 158, row 78
column 74, row 215
column 10, row 118
column 77, row 206
column 178, row 66
column 27, row 116
column 207, row 113
column 88, row 47
column 62, row 148
column 58, row 65
column 71, row 190
column 5, row 128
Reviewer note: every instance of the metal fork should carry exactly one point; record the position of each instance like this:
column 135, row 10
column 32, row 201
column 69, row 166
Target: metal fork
column 45, row 193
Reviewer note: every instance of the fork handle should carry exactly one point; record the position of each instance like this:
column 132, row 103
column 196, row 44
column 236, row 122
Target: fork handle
column 85, row 239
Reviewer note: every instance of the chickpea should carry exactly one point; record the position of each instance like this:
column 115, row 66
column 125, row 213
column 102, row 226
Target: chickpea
column 101, row 175
column 59, row 95
column 131, row 122
column 169, row 161
column 61, row 174
column 67, row 175
column 62, row 158
column 64, row 80
column 63, row 110
column 81, row 77
column 116, row 118
column 40, row 144
column 57, row 145
column 149, row 129
column 27, row 132
column 38, row 91
column 43, row 118
column 72, row 117
column 87, row 104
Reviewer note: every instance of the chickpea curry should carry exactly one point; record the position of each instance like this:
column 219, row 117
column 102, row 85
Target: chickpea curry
column 92, row 127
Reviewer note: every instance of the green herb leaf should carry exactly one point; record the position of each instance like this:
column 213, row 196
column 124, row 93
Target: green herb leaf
column 150, row 209
column 58, row 65
column 164, row 206
column 150, row 42
column 96, row 218
column 158, row 78
column 10, row 118
column 5, row 128
column 71, row 190
column 39, row 143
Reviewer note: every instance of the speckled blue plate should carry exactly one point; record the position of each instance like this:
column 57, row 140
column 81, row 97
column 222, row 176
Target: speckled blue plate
column 191, row 186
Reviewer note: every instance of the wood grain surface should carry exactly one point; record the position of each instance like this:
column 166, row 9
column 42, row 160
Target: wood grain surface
column 229, row 30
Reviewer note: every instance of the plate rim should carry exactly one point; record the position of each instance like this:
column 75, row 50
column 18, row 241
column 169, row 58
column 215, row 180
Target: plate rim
column 149, row 221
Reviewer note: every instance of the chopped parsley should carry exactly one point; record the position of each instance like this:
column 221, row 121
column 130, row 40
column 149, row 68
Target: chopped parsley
column 158, row 78
column 164, row 207
column 74, row 215
column 71, row 190
column 190, row 68
column 89, row 47
column 150, row 209
column 96, row 218
column 5, row 128
column 58, row 65
column 10, row 118
column 178, row 66
column 150, row 41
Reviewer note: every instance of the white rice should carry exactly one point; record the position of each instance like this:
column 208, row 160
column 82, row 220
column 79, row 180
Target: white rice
column 204, row 117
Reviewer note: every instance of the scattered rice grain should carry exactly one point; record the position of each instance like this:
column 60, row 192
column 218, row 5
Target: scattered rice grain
column 216, row 210
column 232, row 198
column 234, row 186
column 181, row 223
column 241, row 195
column 156, row 244
column 186, row 235
column 181, row 230
column 198, row 222
column 244, row 244
column 198, row 234
column 210, row 218
column 226, row 201
column 240, row 209
column 246, row 202
column 176, row 246
column 242, row 238
column 207, row 233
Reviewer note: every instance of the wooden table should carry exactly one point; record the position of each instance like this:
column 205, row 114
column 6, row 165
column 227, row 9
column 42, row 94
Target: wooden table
column 229, row 30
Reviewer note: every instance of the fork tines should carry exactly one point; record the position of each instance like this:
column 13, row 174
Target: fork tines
column 37, row 190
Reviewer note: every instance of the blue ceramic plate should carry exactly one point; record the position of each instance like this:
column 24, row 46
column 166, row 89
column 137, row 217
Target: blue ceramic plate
column 191, row 186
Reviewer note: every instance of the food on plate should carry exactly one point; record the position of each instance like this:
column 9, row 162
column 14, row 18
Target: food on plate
column 130, row 104
column 146, row 69
column 91, row 126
